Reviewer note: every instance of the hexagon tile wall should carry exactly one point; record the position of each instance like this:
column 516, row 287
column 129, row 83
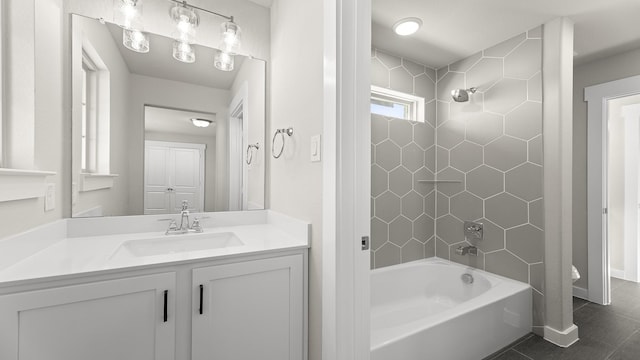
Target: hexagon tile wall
column 491, row 144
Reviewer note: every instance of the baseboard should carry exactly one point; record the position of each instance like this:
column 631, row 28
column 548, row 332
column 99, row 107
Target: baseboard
column 581, row 293
column 564, row 338
column 617, row 273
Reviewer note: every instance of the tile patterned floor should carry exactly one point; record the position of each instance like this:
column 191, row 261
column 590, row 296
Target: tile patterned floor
column 606, row 332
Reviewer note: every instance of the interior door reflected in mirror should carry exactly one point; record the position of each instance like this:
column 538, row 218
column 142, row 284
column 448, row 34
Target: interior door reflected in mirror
column 149, row 131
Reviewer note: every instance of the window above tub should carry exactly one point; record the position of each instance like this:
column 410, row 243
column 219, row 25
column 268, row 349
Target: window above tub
column 396, row 104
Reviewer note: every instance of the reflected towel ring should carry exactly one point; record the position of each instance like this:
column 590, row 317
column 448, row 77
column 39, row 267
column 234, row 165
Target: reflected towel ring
column 282, row 132
column 250, row 153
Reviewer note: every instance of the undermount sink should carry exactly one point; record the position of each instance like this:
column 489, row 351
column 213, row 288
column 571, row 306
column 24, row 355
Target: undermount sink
column 171, row 244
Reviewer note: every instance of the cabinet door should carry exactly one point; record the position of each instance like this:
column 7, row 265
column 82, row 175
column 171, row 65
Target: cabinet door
column 249, row 310
column 120, row 319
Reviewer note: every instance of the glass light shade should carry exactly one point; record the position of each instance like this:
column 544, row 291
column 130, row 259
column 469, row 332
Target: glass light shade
column 407, row 26
column 231, row 36
column 128, row 13
column 186, row 21
column 223, row 61
column 183, row 51
column 135, row 40
column 201, row 123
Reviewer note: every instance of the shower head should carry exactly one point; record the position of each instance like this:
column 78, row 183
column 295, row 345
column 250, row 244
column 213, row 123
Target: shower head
column 462, row 95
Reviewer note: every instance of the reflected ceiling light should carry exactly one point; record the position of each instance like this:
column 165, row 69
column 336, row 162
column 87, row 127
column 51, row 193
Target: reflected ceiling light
column 135, row 40
column 223, row 61
column 201, row 123
column 407, row 26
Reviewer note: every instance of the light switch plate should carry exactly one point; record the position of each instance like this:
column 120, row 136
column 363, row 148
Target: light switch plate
column 316, row 148
column 50, row 197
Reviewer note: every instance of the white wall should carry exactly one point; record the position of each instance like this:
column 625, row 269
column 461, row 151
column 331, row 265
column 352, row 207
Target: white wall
column 114, row 201
column 608, row 69
column 177, row 95
column 42, row 79
column 615, row 184
column 253, row 74
column 296, row 92
column 210, row 160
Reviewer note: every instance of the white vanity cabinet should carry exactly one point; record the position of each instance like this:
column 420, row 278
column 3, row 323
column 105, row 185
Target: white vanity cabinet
column 127, row 318
column 249, row 310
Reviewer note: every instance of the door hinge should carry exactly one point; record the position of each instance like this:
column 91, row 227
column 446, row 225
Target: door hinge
column 365, row 243
column 605, row 211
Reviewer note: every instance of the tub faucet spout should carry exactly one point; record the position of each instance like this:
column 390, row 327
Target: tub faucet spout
column 464, row 250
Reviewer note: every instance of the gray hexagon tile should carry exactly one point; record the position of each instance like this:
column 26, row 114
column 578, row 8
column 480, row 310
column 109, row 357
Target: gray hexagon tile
column 450, row 134
column 379, row 233
column 505, row 95
column 485, row 73
column 505, row 153
column 451, row 188
column 387, row 255
column 430, row 112
column 442, row 204
column 412, row 157
column 535, row 150
column 449, row 229
column 506, row 264
column 505, row 47
column 442, row 158
column 442, row 112
column 536, row 213
column 506, row 210
column 401, row 132
column 483, row 128
column 525, row 60
column 493, row 237
column 423, row 188
column 388, row 155
column 379, row 74
column 449, row 82
column 430, row 204
column 401, row 80
column 423, row 228
column 525, row 181
column 400, row 181
column 430, row 158
column 466, row 63
column 413, row 68
column 387, row 206
column 485, row 181
column 525, row 121
column 379, row 128
column 423, row 135
column 430, row 248
column 412, row 205
column 424, row 87
column 526, row 242
column 390, row 61
column 413, row 250
column 466, row 156
column 400, row 231
column 379, row 180
column 442, row 249
column 534, row 86
column 536, row 274
column 466, row 206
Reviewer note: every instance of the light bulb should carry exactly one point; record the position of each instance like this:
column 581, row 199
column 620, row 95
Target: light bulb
column 231, row 34
column 128, row 13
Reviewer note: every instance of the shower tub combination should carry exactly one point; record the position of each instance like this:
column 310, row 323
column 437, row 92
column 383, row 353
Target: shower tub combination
column 436, row 309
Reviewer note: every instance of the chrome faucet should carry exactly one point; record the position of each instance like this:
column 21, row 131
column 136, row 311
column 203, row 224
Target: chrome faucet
column 469, row 249
column 185, row 226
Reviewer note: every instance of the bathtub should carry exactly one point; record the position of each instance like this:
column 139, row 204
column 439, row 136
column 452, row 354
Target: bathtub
column 423, row 310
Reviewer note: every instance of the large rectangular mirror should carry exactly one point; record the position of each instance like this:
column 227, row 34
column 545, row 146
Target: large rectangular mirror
column 149, row 132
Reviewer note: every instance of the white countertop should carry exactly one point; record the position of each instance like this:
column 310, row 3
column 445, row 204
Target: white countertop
column 79, row 251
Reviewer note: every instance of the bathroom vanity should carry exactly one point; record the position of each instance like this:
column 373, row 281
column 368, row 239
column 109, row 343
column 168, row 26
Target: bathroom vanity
column 118, row 288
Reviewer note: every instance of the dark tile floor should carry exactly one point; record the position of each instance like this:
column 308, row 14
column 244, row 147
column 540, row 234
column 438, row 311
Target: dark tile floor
column 606, row 332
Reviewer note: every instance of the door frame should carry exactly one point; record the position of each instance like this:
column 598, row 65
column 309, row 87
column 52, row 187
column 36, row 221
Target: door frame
column 238, row 107
column 597, row 97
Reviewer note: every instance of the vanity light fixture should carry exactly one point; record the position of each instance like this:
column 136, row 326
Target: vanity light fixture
column 128, row 15
column 223, row 61
column 186, row 21
column 407, row 26
column 201, row 123
column 135, row 40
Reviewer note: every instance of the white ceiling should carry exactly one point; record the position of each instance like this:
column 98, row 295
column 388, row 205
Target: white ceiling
column 455, row 29
column 159, row 62
column 173, row 121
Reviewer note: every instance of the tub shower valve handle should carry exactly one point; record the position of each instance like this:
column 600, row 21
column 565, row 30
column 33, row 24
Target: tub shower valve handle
column 464, row 250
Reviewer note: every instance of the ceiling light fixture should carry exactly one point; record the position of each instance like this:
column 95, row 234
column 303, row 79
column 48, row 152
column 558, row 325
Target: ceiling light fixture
column 201, row 123
column 407, row 26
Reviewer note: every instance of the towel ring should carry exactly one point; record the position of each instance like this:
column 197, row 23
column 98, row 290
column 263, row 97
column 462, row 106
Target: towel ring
column 282, row 132
column 250, row 153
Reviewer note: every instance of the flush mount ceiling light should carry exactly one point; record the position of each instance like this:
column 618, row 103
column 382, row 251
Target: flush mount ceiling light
column 407, row 26
column 201, row 123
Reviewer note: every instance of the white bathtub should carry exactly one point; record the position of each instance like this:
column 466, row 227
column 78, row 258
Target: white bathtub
column 423, row 310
